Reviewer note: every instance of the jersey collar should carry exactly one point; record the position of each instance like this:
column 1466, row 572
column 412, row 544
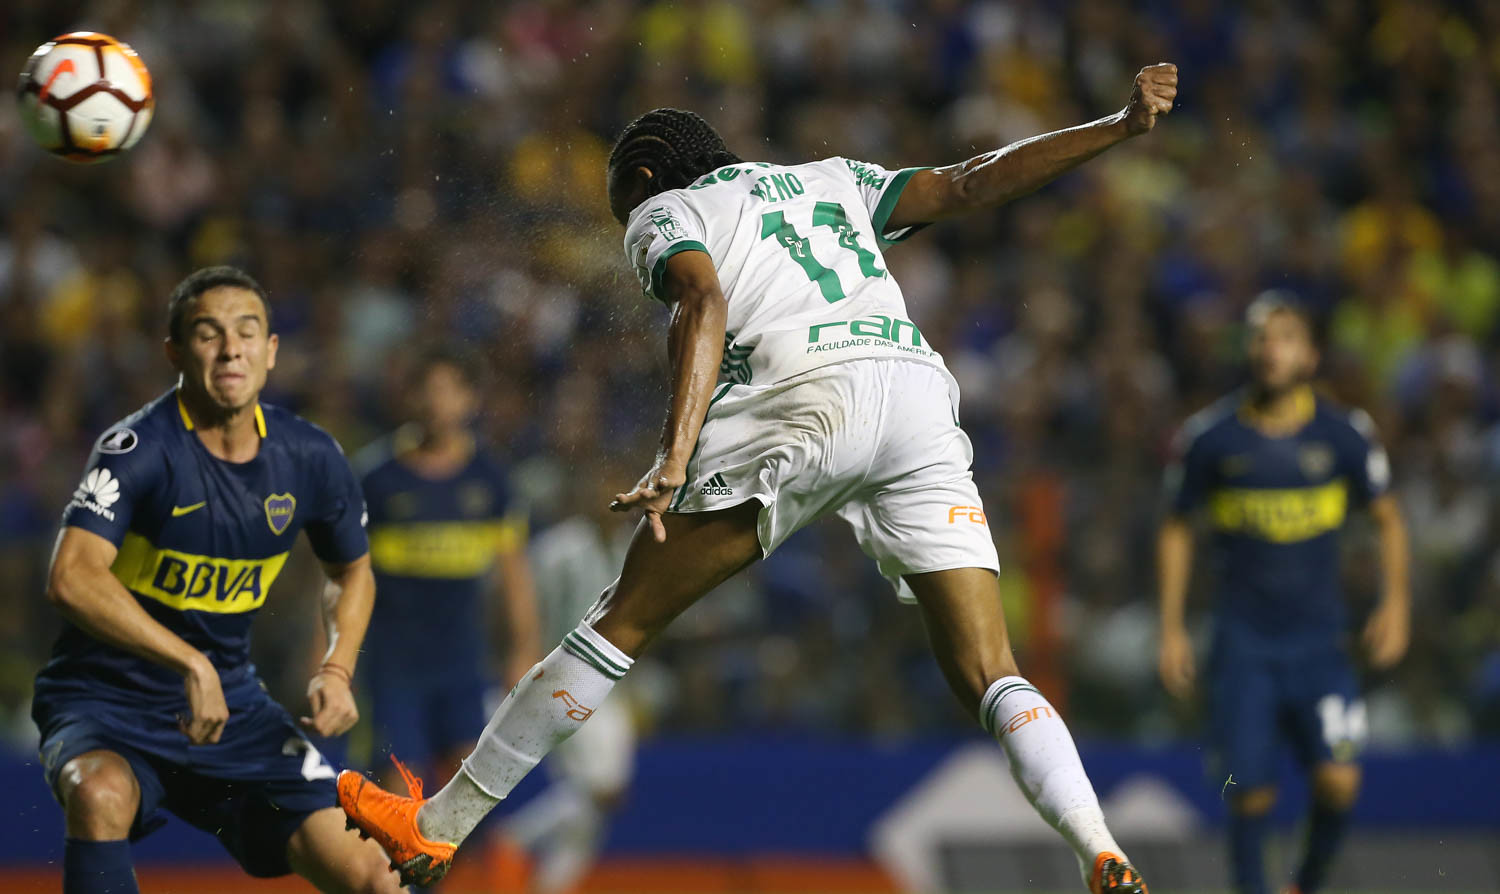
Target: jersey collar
column 187, row 421
column 1305, row 408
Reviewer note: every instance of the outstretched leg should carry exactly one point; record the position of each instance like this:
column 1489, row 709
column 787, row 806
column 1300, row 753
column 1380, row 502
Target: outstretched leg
column 658, row 582
column 967, row 629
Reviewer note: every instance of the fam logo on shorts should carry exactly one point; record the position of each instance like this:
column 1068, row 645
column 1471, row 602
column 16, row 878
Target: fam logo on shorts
column 98, row 491
column 279, row 509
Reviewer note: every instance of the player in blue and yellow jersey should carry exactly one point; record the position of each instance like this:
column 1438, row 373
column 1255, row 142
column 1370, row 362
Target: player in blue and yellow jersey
column 444, row 537
column 185, row 515
column 1275, row 470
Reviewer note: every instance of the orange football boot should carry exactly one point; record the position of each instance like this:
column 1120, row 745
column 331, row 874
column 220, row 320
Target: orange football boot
column 392, row 821
column 1113, row 874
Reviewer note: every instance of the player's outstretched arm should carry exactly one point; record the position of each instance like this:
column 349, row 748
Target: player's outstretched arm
column 348, row 599
column 1389, row 629
column 992, row 179
column 80, row 584
column 1174, row 557
column 695, row 346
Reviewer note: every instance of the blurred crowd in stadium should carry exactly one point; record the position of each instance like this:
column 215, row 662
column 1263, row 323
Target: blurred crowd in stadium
column 397, row 172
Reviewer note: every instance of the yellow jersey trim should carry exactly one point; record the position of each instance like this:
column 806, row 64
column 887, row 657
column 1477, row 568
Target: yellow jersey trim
column 187, row 421
column 189, row 582
column 1303, row 411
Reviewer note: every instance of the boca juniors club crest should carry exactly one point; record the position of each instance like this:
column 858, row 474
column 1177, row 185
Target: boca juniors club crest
column 279, row 509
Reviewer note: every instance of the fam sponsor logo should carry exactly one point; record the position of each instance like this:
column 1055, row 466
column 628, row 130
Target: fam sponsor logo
column 973, row 514
column 575, row 709
column 98, row 491
column 666, row 223
column 889, row 332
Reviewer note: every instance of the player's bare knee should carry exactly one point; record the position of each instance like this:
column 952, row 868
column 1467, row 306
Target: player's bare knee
column 1255, row 801
column 100, row 796
column 1336, row 786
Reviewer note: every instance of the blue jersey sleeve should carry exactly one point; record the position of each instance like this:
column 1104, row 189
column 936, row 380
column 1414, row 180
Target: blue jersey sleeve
column 337, row 529
column 122, row 474
column 1190, row 474
column 1363, row 460
column 515, row 523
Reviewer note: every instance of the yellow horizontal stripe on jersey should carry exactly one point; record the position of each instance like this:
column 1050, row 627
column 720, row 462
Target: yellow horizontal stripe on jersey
column 189, row 582
column 454, row 549
column 1286, row 515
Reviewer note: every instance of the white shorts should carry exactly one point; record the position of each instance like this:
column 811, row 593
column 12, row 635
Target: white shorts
column 875, row 441
column 599, row 759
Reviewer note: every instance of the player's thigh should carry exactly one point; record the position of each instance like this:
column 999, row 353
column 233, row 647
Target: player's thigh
column 661, row 580
column 100, row 795
column 1244, row 707
column 1335, row 785
column 1322, row 712
column 334, row 859
column 966, row 626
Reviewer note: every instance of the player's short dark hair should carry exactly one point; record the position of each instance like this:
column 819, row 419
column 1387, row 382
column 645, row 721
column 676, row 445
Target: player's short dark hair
column 676, row 145
column 456, row 357
column 200, row 281
column 1278, row 301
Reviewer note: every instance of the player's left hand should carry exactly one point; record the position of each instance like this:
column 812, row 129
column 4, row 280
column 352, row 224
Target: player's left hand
column 653, row 494
column 1153, row 94
column 1387, row 633
column 332, row 704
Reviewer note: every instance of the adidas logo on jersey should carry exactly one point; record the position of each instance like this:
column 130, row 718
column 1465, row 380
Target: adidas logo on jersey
column 97, row 492
column 717, row 487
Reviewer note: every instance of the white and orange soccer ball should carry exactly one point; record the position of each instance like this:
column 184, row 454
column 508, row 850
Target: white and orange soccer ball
column 85, row 96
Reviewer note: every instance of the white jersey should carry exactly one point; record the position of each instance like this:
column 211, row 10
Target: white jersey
column 798, row 253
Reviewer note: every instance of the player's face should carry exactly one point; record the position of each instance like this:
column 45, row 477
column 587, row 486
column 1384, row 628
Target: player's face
column 446, row 402
column 1282, row 354
column 227, row 347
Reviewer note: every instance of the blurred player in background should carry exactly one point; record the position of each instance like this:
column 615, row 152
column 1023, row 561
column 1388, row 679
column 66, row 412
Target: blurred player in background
column 574, row 560
column 445, row 539
column 797, row 390
column 1276, row 468
column 184, row 518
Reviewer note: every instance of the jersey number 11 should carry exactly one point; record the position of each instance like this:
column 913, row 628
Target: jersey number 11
column 825, row 214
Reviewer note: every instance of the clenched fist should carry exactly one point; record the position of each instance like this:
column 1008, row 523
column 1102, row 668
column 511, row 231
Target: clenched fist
column 1153, row 94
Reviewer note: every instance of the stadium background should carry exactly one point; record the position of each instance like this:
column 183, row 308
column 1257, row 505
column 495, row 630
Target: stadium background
column 397, row 172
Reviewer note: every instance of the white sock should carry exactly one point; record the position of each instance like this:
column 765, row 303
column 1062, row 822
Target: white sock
column 544, row 709
column 1045, row 763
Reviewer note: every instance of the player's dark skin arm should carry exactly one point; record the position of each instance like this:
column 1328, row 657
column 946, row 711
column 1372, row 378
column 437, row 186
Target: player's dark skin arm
column 1174, row 560
column 1389, row 628
column 348, row 599
column 695, row 347
column 994, row 178
column 80, row 584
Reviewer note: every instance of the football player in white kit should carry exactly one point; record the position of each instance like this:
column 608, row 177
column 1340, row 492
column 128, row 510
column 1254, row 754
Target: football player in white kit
column 800, row 387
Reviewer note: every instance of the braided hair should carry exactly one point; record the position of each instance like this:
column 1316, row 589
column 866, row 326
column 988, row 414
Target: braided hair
column 675, row 145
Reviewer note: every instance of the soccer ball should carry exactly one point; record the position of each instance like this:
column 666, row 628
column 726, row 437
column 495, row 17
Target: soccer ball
column 85, row 96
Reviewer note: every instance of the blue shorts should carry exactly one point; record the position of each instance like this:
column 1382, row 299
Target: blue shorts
column 252, row 790
column 1264, row 697
column 423, row 721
